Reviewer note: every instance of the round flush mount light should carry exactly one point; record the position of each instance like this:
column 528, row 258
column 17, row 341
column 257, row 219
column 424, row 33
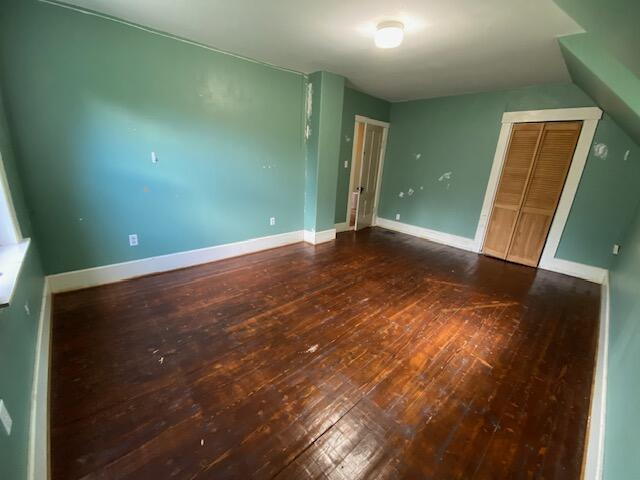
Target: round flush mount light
column 389, row 34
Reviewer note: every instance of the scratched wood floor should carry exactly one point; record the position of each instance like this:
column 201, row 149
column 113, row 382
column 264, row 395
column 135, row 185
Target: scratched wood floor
column 377, row 356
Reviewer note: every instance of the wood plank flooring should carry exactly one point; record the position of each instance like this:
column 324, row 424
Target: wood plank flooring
column 376, row 356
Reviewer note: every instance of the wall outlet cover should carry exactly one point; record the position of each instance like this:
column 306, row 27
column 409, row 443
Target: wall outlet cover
column 616, row 249
column 133, row 240
column 5, row 418
column 397, row 216
column 272, row 221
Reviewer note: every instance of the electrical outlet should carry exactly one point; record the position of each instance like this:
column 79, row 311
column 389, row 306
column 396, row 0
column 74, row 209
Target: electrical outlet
column 133, row 240
column 616, row 249
column 272, row 221
column 397, row 216
column 5, row 418
column 346, row 164
column 154, row 157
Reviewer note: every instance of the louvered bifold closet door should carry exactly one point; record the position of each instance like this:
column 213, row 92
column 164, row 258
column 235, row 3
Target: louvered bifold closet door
column 543, row 191
column 513, row 182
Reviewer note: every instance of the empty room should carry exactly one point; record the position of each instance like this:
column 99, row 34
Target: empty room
column 319, row 240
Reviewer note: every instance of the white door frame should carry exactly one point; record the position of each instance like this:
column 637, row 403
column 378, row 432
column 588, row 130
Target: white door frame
column 352, row 177
column 589, row 116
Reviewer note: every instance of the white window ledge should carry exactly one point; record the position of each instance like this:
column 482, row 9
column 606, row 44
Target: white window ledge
column 11, row 260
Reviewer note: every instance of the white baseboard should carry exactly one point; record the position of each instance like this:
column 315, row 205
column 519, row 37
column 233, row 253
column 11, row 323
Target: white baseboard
column 594, row 459
column 38, row 466
column 456, row 241
column 574, row 269
column 342, row 227
column 315, row 238
column 92, row 277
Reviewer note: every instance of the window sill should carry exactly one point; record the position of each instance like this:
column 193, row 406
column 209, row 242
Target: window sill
column 11, row 260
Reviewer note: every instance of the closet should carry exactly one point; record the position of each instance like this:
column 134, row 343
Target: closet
column 535, row 168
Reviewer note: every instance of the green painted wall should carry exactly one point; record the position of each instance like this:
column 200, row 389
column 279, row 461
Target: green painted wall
column 89, row 99
column 459, row 134
column 614, row 23
column 622, row 435
column 18, row 332
column 323, row 149
column 355, row 103
column 611, row 84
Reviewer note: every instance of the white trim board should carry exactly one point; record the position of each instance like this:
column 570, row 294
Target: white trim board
column 314, row 238
column 553, row 115
column 38, row 463
column 92, row 277
column 548, row 261
column 456, row 241
column 594, row 457
column 372, row 121
column 566, row 267
column 343, row 227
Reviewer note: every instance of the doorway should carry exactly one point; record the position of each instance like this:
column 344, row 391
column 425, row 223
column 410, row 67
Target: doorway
column 535, row 169
column 370, row 139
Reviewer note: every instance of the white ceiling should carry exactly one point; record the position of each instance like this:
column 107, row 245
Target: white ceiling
column 450, row 47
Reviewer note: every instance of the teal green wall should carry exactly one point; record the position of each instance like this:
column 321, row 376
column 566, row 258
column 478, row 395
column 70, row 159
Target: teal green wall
column 459, row 134
column 614, row 24
column 622, row 435
column 18, row 332
column 89, row 99
column 614, row 87
column 323, row 148
column 355, row 103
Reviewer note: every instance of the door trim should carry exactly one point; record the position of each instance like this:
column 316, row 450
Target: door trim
column 589, row 116
column 352, row 174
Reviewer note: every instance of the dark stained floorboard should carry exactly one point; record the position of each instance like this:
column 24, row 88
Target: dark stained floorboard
column 375, row 356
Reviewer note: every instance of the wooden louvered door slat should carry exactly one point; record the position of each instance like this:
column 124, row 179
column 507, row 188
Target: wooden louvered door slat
column 518, row 164
column 550, row 167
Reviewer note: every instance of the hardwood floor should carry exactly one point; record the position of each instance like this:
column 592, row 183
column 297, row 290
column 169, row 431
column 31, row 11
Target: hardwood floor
column 377, row 356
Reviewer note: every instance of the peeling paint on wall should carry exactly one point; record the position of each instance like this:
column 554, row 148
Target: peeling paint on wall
column 401, row 194
column 601, row 150
column 626, row 155
column 445, row 176
column 410, row 191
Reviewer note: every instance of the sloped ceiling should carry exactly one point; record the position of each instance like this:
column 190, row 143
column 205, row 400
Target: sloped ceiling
column 605, row 61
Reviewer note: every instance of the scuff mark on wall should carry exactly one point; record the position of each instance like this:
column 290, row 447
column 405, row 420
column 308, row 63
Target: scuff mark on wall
column 626, row 155
column 601, row 150
column 418, row 155
column 347, row 138
column 309, row 100
column 308, row 111
column 445, row 176
column 421, row 187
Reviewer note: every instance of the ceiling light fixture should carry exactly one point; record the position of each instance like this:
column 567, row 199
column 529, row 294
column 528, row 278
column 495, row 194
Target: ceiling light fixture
column 389, row 34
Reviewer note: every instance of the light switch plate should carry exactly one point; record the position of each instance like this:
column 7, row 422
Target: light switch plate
column 5, row 418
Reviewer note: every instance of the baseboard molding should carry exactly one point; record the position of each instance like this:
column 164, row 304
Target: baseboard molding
column 594, row 458
column 342, row 227
column 314, row 238
column 574, row 269
column 38, row 466
column 92, row 277
column 456, row 241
